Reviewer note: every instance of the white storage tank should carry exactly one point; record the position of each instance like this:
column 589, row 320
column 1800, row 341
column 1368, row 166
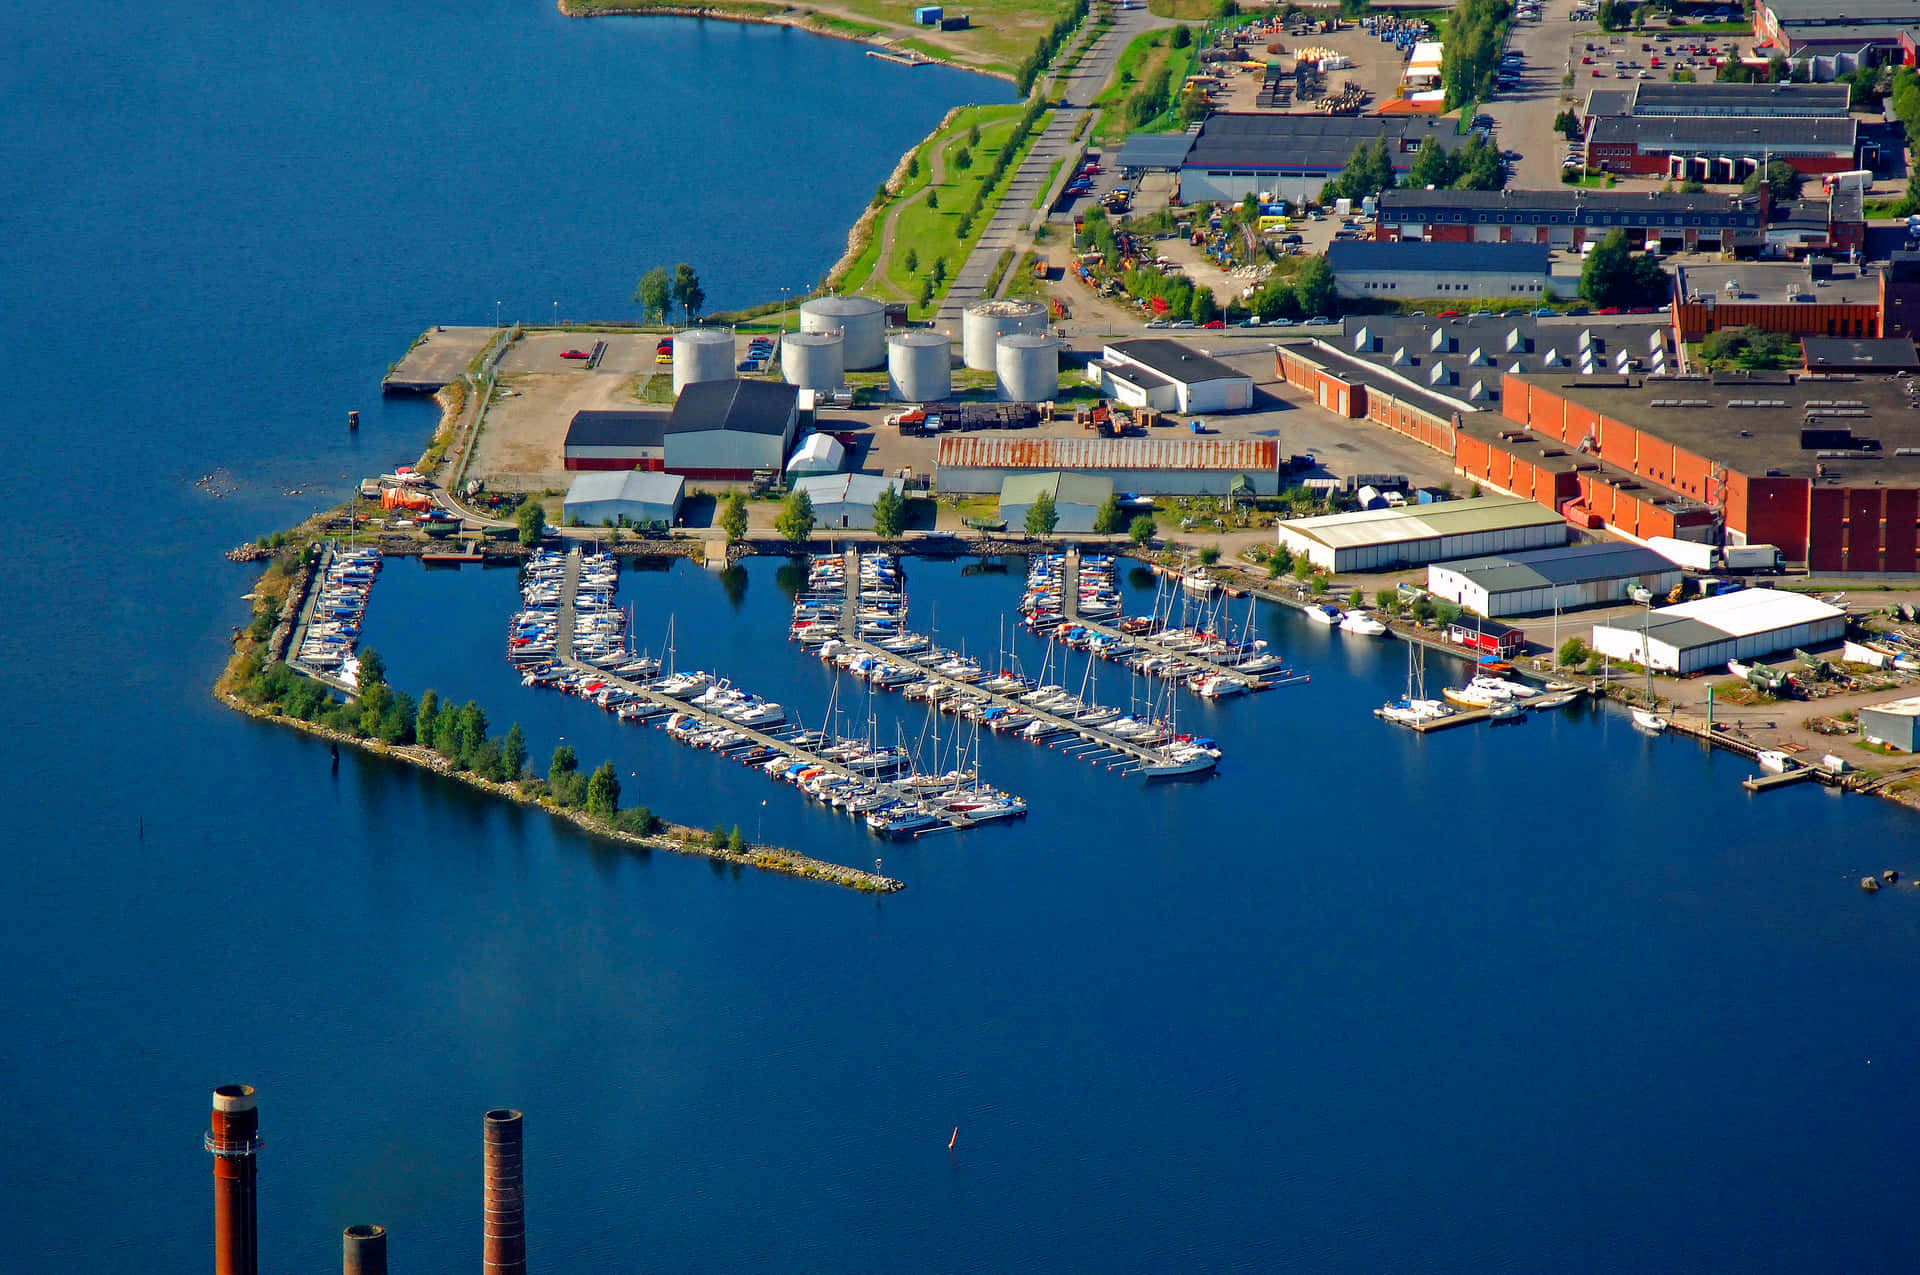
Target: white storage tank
column 1027, row 368
column 701, row 354
column 812, row 360
column 919, row 366
column 862, row 321
column 985, row 322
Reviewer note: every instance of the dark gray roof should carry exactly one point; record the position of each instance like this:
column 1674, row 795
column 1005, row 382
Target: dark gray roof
column 1357, row 371
column 1604, row 102
column 1155, row 150
column 1467, row 258
column 744, row 407
column 642, row 428
column 1177, row 362
column 1140, row 376
column 1269, row 142
column 1571, row 564
column 1711, row 97
column 1577, row 207
column 1836, row 354
column 1752, row 133
column 1822, row 12
column 1676, row 630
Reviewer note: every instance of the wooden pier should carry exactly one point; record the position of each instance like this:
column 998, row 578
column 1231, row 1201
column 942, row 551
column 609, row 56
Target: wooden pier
column 1189, row 663
column 1088, row 742
column 298, row 639
column 1768, row 782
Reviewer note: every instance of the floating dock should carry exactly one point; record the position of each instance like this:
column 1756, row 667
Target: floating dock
column 1190, row 664
column 1768, row 782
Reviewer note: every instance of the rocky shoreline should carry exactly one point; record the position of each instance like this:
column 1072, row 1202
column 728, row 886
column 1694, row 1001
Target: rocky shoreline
column 675, row 840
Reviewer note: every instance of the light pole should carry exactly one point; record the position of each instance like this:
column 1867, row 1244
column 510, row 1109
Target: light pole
column 496, row 314
column 556, row 314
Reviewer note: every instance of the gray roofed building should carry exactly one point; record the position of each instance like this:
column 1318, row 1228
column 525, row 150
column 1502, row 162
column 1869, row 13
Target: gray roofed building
column 1076, row 499
column 1445, row 359
column 1542, row 580
column 1843, row 12
column 1171, row 376
column 1769, row 136
column 608, row 499
column 616, row 439
column 1716, row 98
column 1412, row 269
column 1291, row 156
column 727, row 430
column 1155, row 151
column 1833, row 354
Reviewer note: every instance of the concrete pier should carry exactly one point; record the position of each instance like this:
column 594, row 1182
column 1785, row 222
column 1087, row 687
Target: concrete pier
column 440, row 357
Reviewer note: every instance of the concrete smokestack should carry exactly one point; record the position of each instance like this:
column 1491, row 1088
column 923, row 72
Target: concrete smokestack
column 363, row 1251
column 505, row 1251
column 233, row 1137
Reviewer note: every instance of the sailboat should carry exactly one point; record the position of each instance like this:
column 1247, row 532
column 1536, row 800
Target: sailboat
column 1179, row 755
column 1645, row 718
column 1414, row 708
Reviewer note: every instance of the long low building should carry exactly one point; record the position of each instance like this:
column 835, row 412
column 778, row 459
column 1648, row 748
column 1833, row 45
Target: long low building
column 1713, row 148
column 617, row 440
column 1418, row 271
column 611, row 499
column 1385, row 539
column 1168, row 376
column 1236, row 154
column 1076, row 499
column 977, row 464
column 844, row 502
column 1895, row 723
column 723, row 430
column 1693, row 636
column 1543, row 580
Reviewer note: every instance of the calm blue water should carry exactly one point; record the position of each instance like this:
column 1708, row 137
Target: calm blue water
column 1556, row 997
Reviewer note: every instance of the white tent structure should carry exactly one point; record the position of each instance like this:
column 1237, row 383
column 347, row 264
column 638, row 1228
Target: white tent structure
column 818, row 454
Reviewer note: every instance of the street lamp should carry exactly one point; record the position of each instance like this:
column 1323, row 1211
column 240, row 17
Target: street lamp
column 496, row 314
column 556, row 314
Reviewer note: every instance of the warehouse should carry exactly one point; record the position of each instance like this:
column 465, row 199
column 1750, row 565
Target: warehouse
column 1076, row 499
column 977, row 465
column 1808, row 298
column 1236, row 154
column 610, row 500
column 1895, row 724
column 1749, row 624
column 726, row 430
column 843, row 502
column 1169, row 377
column 1440, row 271
column 1712, row 148
column 1384, row 539
column 1543, row 580
column 1720, row 99
column 616, row 440
column 1570, row 218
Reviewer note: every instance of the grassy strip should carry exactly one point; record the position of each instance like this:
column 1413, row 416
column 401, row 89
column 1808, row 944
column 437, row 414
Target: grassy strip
column 999, row 272
column 1046, row 187
column 1189, row 10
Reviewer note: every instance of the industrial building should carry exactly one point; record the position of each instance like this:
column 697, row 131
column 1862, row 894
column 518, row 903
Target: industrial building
column 1076, row 499
column 1385, row 539
column 844, row 501
column 1815, row 297
column 1168, row 376
column 977, row 465
column 1827, row 470
column 1704, row 634
column 1236, row 154
column 726, row 430
column 1717, row 148
column 1856, row 32
column 617, row 440
column 613, row 499
column 1895, row 724
column 1569, row 218
column 1885, row 357
column 1440, row 271
column 1719, row 99
column 1544, row 580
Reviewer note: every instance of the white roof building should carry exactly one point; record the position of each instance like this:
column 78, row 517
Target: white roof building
column 1380, row 539
column 608, row 498
column 818, row 454
column 843, row 502
column 1729, row 626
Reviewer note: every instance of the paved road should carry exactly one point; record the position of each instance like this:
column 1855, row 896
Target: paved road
column 1016, row 212
column 1523, row 122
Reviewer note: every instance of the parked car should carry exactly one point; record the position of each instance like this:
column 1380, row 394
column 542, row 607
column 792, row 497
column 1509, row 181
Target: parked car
column 1251, row 321
column 1319, row 320
column 1213, row 323
column 575, row 354
column 1159, row 323
column 1183, row 323
column 1544, row 312
column 1447, row 314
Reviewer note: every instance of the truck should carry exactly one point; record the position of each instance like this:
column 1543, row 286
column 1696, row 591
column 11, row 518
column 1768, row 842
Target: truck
column 1758, row 559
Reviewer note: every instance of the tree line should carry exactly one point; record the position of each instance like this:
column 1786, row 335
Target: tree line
column 658, row 292
column 1474, row 165
column 1049, row 44
column 1476, row 33
column 457, row 732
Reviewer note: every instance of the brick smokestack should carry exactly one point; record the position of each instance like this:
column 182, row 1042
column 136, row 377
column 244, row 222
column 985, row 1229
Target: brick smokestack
column 233, row 1137
column 363, row 1251
column 505, row 1251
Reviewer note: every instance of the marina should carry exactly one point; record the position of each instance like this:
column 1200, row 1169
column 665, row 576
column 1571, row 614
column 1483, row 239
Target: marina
column 326, row 635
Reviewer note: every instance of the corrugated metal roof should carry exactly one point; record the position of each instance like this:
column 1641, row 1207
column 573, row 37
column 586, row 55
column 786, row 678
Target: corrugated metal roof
column 1754, row 611
column 1574, row 564
column 648, row 486
column 1066, row 489
column 1421, row 522
column 978, row 451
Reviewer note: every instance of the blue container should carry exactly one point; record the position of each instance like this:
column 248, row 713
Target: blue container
column 928, row 15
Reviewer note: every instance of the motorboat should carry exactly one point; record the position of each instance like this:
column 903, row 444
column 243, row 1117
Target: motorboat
column 1361, row 624
column 1774, row 760
column 1507, row 712
column 1471, row 696
column 1326, row 613
column 1648, row 720
column 1547, row 703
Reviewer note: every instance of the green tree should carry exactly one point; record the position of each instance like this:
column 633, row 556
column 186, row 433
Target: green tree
column 939, row 271
column 717, row 838
column 1613, row 276
column 1572, row 651
column 396, row 723
column 603, row 791
column 565, row 762
column 423, row 717
column 1142, row 529
column 889, row 514
column 735, row 842
column 933, row 199
column 1042, row 517
column 1209, row 555
column 733, row 519
column 1108, row 518
column 795, row 522
column 963, row 159
column 1782, row 180
column 1314, row 286
column 1567, row 124
column 963, row 227
column 687, row 290
column 913, row 165
column 973, row 135
column 470, row 730
column 654, row 295
column 373, row 669
column 1432, row 166
column 1250, row 210
column 1282, row 559
column 1203, row 309
column 912, row 261
column 1302, row 567
column 926, row 292
column 532, row 519
column 513, row 751
column 1384, row 599
column 1182, row 36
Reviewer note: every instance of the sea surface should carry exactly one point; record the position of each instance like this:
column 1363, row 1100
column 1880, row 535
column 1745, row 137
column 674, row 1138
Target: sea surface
column 1552, row 997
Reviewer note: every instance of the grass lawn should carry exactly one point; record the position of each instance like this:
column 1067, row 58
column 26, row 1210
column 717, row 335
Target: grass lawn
column 1184, row 10
column 1046, row 187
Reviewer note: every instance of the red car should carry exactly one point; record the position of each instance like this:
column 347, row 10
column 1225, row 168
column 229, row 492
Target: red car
column 575, row 354
column 1447, row 314
column 1608, row 309
column 1640, row 309
column 1213, row 323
